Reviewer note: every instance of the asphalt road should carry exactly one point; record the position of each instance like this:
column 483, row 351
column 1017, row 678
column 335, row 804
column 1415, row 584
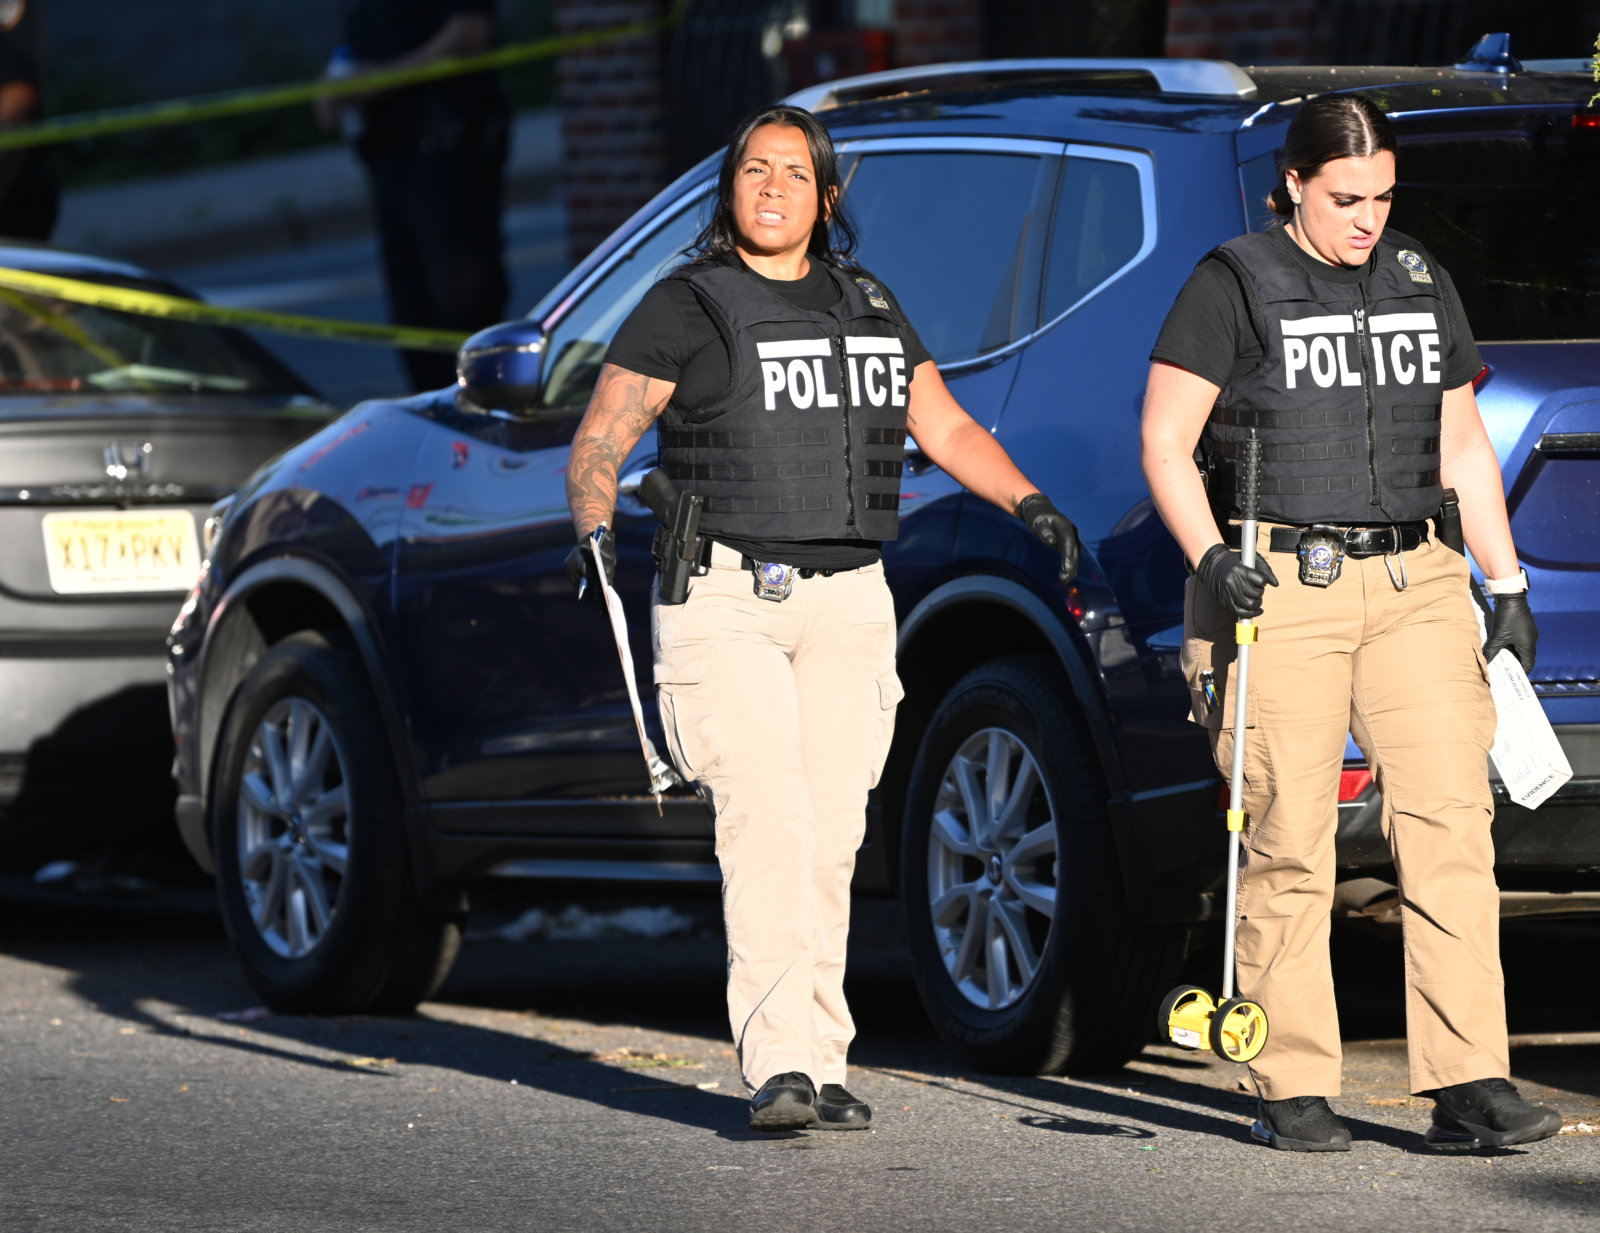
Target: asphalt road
column 589, row 1085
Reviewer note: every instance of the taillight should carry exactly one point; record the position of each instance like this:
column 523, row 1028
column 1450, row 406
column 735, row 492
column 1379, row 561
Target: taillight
column 1586, row 119
column 1353, row 782
column 1484, row 374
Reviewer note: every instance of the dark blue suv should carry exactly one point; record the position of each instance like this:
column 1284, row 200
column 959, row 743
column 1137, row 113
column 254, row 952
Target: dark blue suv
column 383, row 689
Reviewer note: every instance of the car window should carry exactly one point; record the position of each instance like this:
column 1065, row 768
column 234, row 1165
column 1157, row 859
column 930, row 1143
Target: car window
column 946, row 231
column 1509, row 212
column 578, row 342
column 61, row 347
column 1097, row 229
column 1512, row 216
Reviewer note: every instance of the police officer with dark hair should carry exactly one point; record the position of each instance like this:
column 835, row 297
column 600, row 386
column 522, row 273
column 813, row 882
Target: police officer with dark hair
column 435, row 157
column 29, row 197
column 785, row 380
column 1343, row 347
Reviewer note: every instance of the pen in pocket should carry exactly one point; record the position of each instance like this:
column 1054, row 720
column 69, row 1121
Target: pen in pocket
column 1208, row 682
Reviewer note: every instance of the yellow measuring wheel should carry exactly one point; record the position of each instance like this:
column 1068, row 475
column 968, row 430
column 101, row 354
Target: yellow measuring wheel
column 1238, row 1030
column 1234, row 1028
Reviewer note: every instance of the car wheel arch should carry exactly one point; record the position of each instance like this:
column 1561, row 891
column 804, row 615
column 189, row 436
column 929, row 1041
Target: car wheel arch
column 267, row 602
column 943, row 638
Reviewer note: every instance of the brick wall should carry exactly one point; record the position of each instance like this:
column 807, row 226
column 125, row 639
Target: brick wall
column 1374, row 31
column 1245, row 31
column 930, row 31
column 613, row 129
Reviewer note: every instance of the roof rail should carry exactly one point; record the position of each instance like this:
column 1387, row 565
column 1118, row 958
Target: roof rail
column 1216, row 77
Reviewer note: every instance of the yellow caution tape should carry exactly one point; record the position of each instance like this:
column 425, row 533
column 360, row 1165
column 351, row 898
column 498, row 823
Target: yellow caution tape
column 243, row 102
column 180, row 308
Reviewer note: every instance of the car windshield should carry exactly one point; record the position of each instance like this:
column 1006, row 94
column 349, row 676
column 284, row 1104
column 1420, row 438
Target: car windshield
column 49, row 345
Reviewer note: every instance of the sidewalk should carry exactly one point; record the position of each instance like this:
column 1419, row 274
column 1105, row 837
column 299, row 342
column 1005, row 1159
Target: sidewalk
column 284, row 201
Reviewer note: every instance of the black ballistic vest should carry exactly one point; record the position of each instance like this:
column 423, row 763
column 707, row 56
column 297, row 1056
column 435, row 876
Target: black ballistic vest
column 808, row 442
column 1347, row 399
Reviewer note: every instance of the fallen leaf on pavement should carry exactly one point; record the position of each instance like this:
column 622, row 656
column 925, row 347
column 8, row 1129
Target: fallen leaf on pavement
column 369, row 1063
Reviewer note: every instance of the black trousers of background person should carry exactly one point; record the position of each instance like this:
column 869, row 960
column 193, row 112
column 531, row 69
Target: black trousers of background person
column 437, row 201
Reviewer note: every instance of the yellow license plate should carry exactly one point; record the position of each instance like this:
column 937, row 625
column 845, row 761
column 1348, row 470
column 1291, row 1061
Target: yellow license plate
column 126, row 550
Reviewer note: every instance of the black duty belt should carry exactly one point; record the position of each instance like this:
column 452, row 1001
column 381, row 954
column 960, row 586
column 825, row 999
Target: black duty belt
column 1375, row 541
column 753, row 565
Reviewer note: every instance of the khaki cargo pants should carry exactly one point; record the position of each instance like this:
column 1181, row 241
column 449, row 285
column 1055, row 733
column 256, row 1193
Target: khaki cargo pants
column 1403, row 671
column 783, row 712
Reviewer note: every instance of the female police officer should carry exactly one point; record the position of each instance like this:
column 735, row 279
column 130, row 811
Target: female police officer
column 786, row 380
column 1345, row 349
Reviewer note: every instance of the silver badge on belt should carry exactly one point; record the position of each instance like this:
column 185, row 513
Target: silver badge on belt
column 1321, row 554
column 774, row 581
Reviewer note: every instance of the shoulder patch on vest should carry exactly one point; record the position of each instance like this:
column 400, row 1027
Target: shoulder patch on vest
column 1414, row 265
column 874, row 296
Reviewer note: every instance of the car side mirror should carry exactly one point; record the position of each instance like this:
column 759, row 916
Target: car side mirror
column 501, row 369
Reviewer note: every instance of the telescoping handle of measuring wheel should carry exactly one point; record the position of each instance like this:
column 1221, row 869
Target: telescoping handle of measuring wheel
column 1244, row 634
column 1235, row 1028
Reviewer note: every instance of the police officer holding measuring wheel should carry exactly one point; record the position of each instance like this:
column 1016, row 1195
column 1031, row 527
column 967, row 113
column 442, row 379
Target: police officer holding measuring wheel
column 785, row 379
column 1343, row 347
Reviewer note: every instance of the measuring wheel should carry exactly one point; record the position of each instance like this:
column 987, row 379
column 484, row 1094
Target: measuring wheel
column 1184, row 1016
column 1238, row 1031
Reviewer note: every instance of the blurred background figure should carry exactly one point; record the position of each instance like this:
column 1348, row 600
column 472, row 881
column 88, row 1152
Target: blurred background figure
column 29, row 197
column 435, row 157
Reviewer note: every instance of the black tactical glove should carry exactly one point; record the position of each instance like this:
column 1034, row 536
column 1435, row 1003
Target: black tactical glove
column 1238, row 587
column 580, row 567
column 1513, row 629
column 1054, row 529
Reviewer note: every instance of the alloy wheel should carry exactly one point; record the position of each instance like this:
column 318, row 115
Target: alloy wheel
column 992, row 868
column 293, row 817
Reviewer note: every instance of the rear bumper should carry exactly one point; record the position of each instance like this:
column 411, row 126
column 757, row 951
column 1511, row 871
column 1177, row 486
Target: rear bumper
column 79, row 726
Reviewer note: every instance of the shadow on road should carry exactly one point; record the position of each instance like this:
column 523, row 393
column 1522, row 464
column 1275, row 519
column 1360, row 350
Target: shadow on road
column 172, row 974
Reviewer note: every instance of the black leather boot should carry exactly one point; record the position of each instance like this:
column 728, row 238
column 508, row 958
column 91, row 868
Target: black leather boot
column 1486, row 1113
column 838, row 1110
column 785, row 1102
column 1300, row 1124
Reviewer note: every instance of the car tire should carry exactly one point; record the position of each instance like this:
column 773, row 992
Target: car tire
column 313, row 871
column 1057, row 976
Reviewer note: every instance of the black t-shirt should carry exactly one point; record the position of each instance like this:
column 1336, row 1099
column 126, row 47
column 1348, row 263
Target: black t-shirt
column 671, row 337
column 379, row 30
column 1208, row 331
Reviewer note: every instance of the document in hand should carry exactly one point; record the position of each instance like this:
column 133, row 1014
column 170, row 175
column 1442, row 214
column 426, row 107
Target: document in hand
column 662, row 776
column 1530, row 760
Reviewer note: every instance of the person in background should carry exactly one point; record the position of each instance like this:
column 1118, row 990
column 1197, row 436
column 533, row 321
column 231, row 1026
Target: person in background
column 29, row 196
column 435, row 157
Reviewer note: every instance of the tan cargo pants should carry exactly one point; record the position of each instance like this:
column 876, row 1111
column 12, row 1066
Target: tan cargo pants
column 783, row 711
column 1403, row 671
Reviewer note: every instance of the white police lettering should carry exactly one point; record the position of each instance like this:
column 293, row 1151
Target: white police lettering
column 800, row 374
column 873, row 368
column 1404, row 346
column 797, row 369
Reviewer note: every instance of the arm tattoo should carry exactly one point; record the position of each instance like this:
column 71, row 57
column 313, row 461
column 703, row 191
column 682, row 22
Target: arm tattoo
column 619, row 414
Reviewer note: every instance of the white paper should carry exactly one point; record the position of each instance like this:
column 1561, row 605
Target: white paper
column 1530, row 759
column 662, row 776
